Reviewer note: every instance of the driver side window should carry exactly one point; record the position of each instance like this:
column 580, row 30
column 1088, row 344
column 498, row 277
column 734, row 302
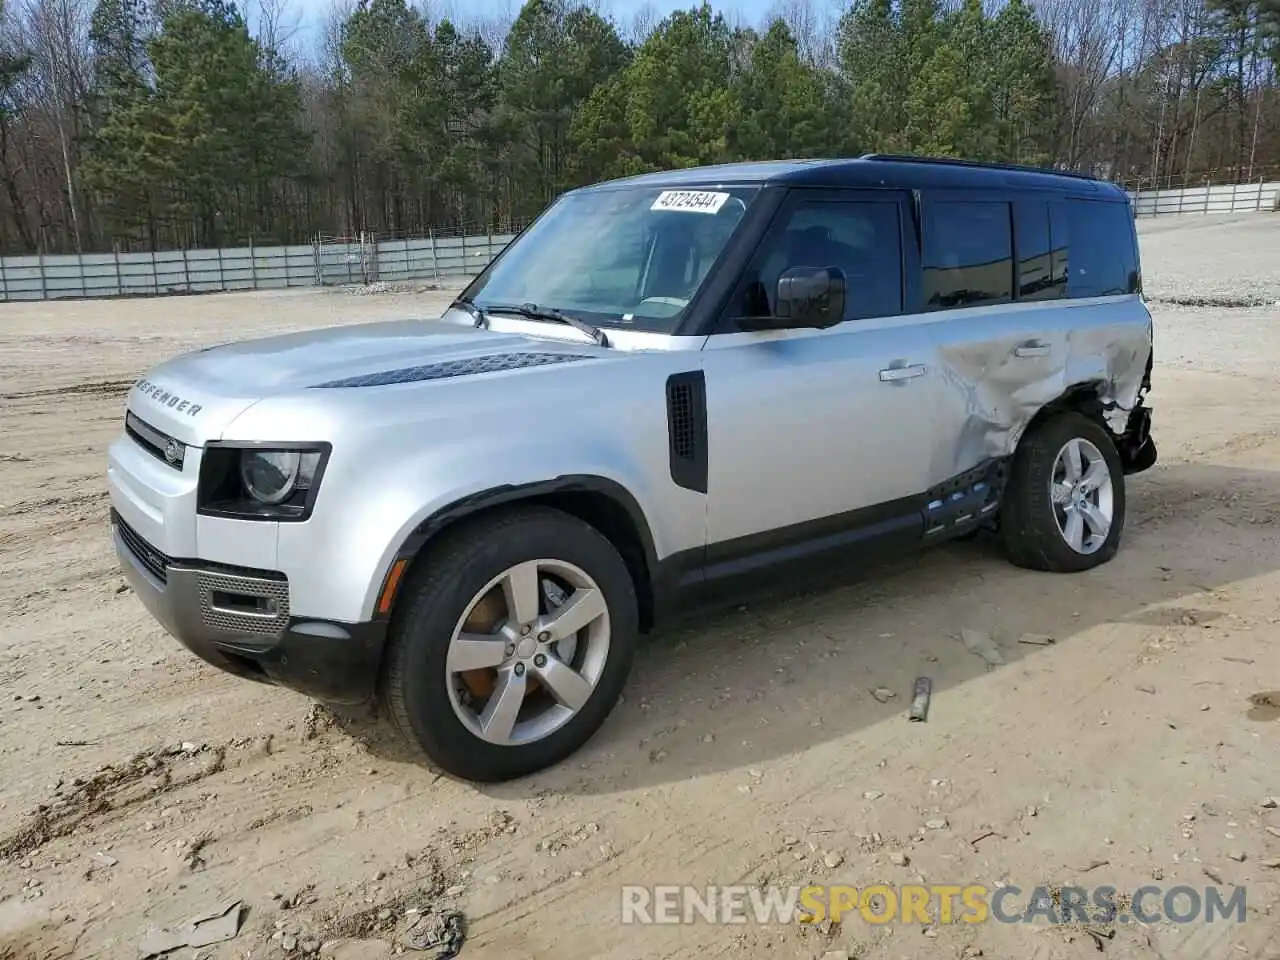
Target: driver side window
column 862, row 238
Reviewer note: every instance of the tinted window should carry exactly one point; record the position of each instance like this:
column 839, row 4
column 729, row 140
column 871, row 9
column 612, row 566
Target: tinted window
column 1104, row 257
column 1036, row 280
column 968, row 254
column 861, row 238
column 1060, row 238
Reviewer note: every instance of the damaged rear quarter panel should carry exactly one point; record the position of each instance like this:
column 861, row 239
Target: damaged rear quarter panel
column 990, row 393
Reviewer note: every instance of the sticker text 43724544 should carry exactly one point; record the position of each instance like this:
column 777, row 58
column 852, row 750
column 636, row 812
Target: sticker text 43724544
column 690, row 201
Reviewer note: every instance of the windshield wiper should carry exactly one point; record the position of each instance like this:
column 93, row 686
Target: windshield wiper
column 535, row 312
column 467, row 304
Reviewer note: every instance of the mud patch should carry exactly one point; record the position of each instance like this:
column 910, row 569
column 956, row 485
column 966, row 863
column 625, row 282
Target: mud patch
column 1265, row 706
column 382, row 918
column 1175, row 617
column 114, row 787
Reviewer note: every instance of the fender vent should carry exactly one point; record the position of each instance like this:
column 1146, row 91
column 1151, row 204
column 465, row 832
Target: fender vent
column 448, row 369
column 687, row 429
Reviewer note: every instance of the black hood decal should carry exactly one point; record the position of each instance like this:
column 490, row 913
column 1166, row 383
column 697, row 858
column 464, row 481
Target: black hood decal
column 446, row 369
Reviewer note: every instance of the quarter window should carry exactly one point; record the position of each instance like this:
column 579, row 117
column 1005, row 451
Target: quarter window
column 1104, row 256
column 968, row 254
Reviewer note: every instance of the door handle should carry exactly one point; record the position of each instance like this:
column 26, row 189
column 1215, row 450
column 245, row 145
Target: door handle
column 902, row 373
column 1032, row 348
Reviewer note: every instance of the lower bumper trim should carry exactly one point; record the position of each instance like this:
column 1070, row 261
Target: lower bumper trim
column 327, row 660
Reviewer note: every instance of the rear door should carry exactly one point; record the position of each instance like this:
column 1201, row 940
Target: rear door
column 990, row 276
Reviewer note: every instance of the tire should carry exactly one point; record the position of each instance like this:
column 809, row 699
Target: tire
column 427, row 701
column 1035, row 531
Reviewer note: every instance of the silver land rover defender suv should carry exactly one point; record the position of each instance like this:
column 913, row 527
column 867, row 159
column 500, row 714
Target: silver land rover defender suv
column 669, row 390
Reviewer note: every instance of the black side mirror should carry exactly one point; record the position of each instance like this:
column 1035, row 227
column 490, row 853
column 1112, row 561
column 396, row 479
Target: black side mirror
column 811, row 297
column 806, row 297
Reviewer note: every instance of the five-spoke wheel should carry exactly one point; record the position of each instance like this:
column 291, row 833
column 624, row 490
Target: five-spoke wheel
column 510, row 643
column 1081, row 492
column 527, row 674
column 1064, row 506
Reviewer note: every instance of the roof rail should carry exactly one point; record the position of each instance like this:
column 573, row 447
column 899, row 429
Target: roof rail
column 974, row 164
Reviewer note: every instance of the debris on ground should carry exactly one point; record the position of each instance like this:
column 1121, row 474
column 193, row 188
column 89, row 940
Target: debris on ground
column 980, row 643
column 920, row 695
column 1037, row 639
column 208, row 927
column 442, row 932
column 883, row 694
column 1092, row 865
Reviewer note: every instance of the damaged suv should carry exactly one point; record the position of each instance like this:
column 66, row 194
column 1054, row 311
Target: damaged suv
column 668, row 391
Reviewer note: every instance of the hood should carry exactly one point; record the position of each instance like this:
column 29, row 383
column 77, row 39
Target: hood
column 195, row 396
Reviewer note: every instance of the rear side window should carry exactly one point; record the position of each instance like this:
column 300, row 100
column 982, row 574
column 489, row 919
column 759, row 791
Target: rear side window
column 1104, row 253
column 968, row 254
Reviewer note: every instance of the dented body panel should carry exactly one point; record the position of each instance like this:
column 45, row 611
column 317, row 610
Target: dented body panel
column 1001, row 366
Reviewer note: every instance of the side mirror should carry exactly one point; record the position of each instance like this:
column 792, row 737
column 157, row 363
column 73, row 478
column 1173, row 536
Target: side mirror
column 806, row 297
column 811, row 297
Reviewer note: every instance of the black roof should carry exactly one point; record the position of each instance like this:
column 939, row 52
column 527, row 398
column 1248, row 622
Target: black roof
column 873, row 170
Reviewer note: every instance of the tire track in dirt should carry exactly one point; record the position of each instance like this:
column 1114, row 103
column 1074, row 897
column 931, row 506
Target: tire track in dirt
column 24, row 507
column 111, row 788
column 97, row 388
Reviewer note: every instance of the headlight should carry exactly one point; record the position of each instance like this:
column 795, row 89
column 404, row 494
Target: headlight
column 270, row 476
column 267, row 482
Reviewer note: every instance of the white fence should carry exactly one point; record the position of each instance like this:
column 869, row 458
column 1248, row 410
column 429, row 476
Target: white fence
column 1232, row 198
column 43, row 277
column 431, row 259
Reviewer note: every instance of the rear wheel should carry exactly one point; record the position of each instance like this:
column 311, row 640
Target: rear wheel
column 511, row 645
column 1064, row 508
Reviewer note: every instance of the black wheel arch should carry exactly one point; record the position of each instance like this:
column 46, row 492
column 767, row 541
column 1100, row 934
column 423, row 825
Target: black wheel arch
column 602, row 503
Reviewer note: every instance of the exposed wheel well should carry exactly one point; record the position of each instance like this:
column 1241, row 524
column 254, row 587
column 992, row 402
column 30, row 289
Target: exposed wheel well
column 598, row 509
column 1084, row 398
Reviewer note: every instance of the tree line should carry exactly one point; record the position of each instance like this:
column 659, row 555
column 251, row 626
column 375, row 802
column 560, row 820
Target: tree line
column 152, row 124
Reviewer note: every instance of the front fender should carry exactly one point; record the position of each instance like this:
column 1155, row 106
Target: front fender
column 417, row 494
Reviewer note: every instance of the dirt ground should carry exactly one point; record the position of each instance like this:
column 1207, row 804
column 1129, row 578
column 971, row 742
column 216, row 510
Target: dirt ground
column 139, row 787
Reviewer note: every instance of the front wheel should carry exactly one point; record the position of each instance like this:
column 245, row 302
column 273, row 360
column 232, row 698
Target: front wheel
column 1064, row 508
column 511, row 644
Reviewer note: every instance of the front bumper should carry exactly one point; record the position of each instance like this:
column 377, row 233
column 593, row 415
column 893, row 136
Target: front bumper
column 239, row 621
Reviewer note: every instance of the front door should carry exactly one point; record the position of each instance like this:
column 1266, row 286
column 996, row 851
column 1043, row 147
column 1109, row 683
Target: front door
column 820, row 439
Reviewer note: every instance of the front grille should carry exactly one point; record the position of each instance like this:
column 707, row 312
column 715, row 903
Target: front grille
column 160, row 445
column 152, row 559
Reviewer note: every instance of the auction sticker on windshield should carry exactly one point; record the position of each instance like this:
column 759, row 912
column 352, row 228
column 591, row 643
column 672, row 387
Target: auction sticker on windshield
column 690, row 201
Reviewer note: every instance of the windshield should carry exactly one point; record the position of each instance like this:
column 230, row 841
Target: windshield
column 631, row 257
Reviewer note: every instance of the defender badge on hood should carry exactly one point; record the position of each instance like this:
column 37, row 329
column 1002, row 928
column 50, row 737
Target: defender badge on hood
column 167, row 399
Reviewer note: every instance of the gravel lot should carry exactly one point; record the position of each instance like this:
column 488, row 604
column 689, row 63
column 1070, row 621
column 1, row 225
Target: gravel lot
column 139, row 788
